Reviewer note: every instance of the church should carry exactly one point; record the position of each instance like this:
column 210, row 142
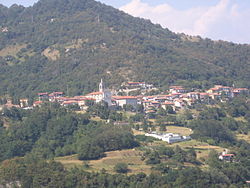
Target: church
column 103, row 94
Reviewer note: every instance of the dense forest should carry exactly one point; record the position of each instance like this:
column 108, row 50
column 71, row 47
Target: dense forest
column 69, row 45
column 53, row 131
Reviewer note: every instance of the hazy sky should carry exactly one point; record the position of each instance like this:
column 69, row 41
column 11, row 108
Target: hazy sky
column 216, row 19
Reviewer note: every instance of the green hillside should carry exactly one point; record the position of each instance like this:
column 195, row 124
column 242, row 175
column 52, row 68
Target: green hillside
column 71, row 44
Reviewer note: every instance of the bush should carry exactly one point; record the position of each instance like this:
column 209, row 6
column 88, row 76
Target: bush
column 121, row 168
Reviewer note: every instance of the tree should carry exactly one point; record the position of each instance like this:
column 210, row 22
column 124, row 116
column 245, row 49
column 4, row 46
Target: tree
column 163, row 128
column 161, row 112
column 170, row 110
column 213, row 159
column 121, row 168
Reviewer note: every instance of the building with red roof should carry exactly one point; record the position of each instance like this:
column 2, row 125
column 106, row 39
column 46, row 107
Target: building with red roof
column 126, row 100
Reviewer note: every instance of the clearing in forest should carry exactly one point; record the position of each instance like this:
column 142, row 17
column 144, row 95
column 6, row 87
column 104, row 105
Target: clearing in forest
column 132, row 157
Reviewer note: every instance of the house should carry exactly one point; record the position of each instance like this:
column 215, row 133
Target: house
column 178, row 103
column 227, row 91
column 226, row 157
column 136, row 84
column 204, row 96
column 103, row 94
column 156, row 104
column 10, row 105
column 55, row 95
column 126, row 100
column 5, row 30
column 177, row 89
column 240, row 91
column 24, row 103
column 69, row 103
column 43, row 96
column 194, row 95
column 168, row 103
column 215, row 96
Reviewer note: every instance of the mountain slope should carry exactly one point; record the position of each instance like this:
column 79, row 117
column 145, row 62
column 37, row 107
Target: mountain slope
column 70, row 44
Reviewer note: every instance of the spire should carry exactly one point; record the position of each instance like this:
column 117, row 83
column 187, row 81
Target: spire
column 101, row 86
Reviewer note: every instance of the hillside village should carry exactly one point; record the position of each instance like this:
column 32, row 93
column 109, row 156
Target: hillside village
column 176, row 97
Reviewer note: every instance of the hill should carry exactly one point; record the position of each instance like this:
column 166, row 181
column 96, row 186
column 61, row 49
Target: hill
column 69, row 45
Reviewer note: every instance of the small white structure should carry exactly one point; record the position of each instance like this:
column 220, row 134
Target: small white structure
column 169, row 137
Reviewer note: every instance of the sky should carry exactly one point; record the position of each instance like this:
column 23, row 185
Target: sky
column 216, row 19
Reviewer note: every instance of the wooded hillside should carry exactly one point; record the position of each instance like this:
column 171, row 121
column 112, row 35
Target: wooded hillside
column 60, row 44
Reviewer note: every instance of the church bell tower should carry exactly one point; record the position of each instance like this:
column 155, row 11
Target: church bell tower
column 101, row 86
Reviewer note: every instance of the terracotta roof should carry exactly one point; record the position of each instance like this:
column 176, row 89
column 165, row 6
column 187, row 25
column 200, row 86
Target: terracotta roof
column 228, row 155
column 240, row 89
column 58, row 93
column 168, row 103
column 155, row 102
column 161, row 98
column 38, row 102
column 175, row 87
column 42, row 94
column 204, row 93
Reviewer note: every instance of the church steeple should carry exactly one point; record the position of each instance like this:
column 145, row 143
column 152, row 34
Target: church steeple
column 101, row 86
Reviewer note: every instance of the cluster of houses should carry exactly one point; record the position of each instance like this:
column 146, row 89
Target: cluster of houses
column 169, row 137
column 176, row 97
column 138, row 85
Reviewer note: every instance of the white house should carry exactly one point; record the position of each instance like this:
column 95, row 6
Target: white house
column 126, row 100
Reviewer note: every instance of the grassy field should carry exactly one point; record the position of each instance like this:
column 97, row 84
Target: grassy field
column 127, row 115
column 244, row 137
column 11, row 50
column 241, row 119
column 202, row 149
column 131, row 157
column 179, row 130
column 170, row 129
column 52, row 54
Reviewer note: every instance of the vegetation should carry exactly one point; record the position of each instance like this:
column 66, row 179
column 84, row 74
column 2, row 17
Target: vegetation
column 34, row 138
column 121, row 168
column 53, row 131
column 69, row 45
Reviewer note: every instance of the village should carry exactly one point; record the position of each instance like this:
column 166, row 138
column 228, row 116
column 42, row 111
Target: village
column 177, row 97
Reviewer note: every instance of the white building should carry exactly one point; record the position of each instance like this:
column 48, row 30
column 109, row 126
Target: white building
column 126, row 100
column 169, row 137
column 102, row 95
